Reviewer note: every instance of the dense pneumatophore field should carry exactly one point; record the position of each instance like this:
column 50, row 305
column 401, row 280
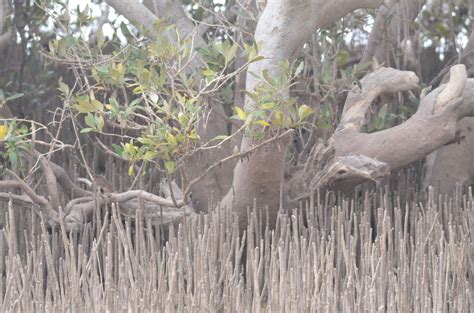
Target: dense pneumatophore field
column 369, row 255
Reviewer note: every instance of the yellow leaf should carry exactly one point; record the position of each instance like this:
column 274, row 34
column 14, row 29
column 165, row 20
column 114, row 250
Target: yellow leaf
column 263, row 123
column 278, row 119
column 170, row 167
column 241, row 113
column 97, row 106
column 172, row 140
column 138, row 90
column 3, row 131
column 304, row 111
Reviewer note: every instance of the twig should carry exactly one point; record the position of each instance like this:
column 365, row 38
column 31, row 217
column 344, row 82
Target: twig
column 232, row 157
column 128, row 195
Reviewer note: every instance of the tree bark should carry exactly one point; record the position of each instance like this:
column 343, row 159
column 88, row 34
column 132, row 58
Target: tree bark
column 432, row 126
column 360, row 156
column 5, row 36
column 282, row 30
column 453, row 164
column 391, row 31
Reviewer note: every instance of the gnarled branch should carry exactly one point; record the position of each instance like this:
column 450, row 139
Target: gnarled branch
column 382, row 80
column 427, row 130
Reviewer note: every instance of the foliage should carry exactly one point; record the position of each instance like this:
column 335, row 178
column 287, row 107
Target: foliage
column 271, row 106
column 12, row 142
column 146, row 87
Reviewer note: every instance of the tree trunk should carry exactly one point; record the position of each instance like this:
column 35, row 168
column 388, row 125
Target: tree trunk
column 453, row 164
column 282, row 30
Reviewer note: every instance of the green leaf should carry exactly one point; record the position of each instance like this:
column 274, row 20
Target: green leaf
column 13, row 157
column 193, row 135
column 268, row 78
column 118, row 149
column 183, row 119
column 268, row 106
column 125, row 30
column 171, row 140
column 170, row 167
column 146, row 141
column 251, row 95
column 87, row 130
column 100, row 122
column 304, row 111
column 299, row 69
column 64, row 88
column 130, row 148
column 208, row 73
column 256, row 59
column 150, row 155
column 138, row 90
column 15, row 96
column 89, row 119
column 85, row 106
column 221, row 137
column 97, row 105
column 230, row 53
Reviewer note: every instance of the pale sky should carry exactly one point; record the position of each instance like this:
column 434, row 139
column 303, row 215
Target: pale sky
column 108, row 30
column 97, row 11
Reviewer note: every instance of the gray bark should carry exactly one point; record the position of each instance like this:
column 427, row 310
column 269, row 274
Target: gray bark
column 453, row 164
column 390, row 30
column 5, row 36
column 281, row 32
column 432, row 126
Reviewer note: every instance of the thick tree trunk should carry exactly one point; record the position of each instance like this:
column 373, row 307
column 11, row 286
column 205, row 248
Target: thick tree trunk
column 453, row 164
column 5, row 36
column 281, row 32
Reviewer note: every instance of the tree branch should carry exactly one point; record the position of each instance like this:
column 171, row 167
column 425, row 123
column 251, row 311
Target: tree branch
column 423, row 133
column 19, row 199
column 172, row 11
column 390, row 28
column 383, row 80
column 79, row 210
column 453, row 89
column 128, row 195
column 39, row 200
column 138, row 14
column 51, row 183
column 71, row 189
